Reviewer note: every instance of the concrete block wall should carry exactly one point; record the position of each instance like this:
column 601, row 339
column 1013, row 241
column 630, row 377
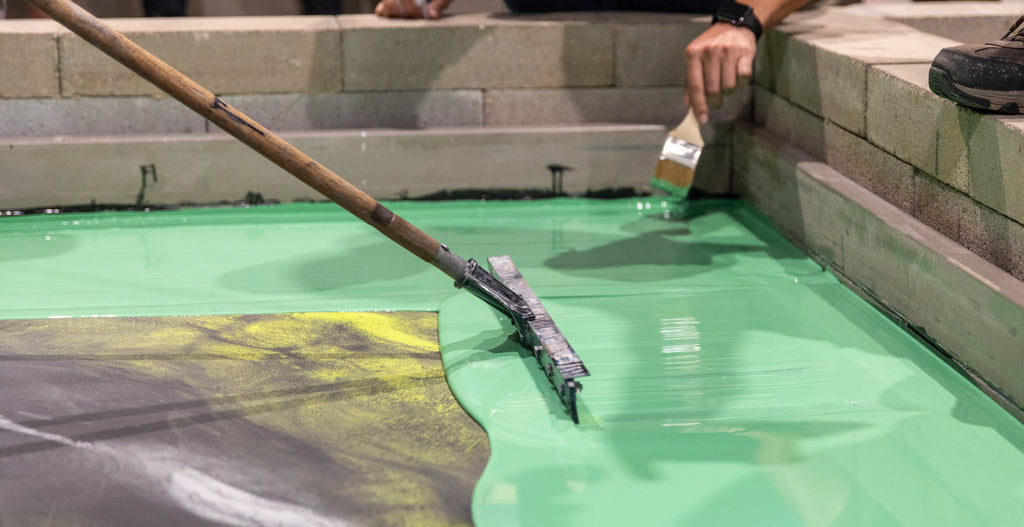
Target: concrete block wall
column 849, row 86
column 358, row 72
column 485, row 69
column 915, row 200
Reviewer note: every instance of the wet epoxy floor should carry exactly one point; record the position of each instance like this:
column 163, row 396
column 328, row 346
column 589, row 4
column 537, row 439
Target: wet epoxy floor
column 734, row 382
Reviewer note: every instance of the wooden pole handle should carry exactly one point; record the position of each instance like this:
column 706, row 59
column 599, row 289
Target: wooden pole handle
column 234, row 122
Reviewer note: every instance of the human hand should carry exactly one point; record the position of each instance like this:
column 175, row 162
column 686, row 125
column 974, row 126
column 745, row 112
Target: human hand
column 717, row 62
column 411, row 8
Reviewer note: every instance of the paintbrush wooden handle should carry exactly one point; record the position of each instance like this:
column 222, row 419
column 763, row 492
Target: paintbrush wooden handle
column 688, row 130
column 286, row 156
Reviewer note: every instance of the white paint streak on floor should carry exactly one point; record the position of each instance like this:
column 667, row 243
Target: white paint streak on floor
column 195, row 491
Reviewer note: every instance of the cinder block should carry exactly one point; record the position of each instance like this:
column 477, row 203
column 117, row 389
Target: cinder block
column 995, row 161
column 737, row 106
column 650, row 49
column 769, row 51
column 96, row 116
column 974, row 311
column 977, row 154
column 794, row 70
column 402, row 109
column 823, row 82
column 828, row 84
column 995, row 238
column 803, row 129
column 224, row 55
column 28, row 59
column 823, row 64
column 882, row 174
column 606, row 105
column 714, row 172
column 940, row 207
column 511, row 107
column 766, row 175
column 476, row 51
column 952, row 137
column 769, row 186
column 903, row 116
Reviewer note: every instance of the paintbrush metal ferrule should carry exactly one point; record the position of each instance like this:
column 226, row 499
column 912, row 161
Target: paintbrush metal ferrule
column 681, row 152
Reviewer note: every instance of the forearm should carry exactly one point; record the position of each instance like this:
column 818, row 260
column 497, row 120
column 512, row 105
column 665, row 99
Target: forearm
column 771, row 12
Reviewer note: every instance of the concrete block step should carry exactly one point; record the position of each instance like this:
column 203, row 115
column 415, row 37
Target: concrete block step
column 979, row 155
column 849, row 86
column 387, row 164
column 959, row 208
column 819, row 60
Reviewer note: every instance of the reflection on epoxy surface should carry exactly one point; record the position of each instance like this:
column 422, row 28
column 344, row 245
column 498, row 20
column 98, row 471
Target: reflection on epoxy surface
column 734, row 383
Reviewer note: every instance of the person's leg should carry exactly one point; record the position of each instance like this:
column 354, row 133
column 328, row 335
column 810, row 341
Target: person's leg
column 983, row 76
column 321, row 7
column 163, row 7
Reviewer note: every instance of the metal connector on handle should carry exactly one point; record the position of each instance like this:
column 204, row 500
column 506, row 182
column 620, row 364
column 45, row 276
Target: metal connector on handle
column 486, row 287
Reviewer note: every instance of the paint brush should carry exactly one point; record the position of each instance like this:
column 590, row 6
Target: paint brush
column 678, row 160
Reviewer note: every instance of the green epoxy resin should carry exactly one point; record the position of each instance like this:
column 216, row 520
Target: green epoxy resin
column 733, row 381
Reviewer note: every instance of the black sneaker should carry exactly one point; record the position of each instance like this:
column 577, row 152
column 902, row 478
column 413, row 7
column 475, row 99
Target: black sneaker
column 983, row 76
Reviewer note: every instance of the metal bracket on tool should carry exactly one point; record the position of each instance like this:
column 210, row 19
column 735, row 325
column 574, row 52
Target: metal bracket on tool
column 484, row 286
column 557, row 359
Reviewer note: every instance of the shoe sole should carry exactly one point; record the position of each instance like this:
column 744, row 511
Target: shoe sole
column 993, row 101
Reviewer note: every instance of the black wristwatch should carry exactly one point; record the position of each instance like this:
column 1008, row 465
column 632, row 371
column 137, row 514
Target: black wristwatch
column 740, row 15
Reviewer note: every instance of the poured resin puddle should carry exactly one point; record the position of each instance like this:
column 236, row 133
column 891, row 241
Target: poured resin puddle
column 734, row 382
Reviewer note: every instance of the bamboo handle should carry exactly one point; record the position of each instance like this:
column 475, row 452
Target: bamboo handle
column 234, row 122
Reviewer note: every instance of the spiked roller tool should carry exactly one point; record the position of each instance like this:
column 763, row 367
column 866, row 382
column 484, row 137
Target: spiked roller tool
column 516, row 300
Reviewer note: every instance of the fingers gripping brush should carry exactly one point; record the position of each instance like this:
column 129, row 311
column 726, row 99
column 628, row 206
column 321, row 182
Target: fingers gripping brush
column 506, row 292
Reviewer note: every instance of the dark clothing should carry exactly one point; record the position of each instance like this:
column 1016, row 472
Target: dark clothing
column 549, row 6
column 177, row 7
column 163, row 7
column 321, row 7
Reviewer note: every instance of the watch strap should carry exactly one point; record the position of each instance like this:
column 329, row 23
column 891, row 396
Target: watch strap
column 740, row 15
